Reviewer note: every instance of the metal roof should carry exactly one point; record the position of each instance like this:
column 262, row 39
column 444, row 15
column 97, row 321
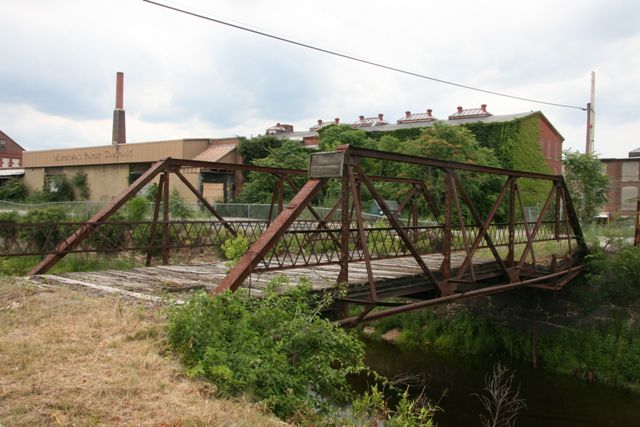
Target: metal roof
column 422, row 124
column 469, row 113
column 417, row 117
column 215, row 152
column 370, row 121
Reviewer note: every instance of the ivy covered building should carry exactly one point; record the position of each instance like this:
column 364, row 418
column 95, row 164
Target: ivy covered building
column 524, row 141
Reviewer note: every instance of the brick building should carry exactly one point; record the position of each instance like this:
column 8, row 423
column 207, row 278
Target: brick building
column 624, row 184
column 549, row 139
column 10, row 152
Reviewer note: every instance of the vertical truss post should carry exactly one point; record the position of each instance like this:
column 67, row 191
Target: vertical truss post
column 276, row 197
column 512, row 224
column 406, row 199
column 345, row 219
column 571, row 212
column 463, row 230
column 204, row 201
column 154, row 224
column 413, row 214
column 529, row 243
column 398, row 227
column 102, row 215
column 556, row 228
column 362, row 236
column 165, row 219
column 484, row 226
column 445, row 267
column 536, row 227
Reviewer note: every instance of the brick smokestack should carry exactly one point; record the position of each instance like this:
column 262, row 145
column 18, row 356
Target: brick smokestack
column 119, row 129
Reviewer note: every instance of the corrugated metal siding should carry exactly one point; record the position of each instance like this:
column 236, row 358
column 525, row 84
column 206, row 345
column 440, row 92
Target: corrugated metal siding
column 215, row 153
column 191, row 148
column 109, row 154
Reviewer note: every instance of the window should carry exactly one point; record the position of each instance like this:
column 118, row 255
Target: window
column 628, row 198
column 629, row 171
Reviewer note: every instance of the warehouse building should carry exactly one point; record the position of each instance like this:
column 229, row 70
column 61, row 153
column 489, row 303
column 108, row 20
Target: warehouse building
column 110, row 169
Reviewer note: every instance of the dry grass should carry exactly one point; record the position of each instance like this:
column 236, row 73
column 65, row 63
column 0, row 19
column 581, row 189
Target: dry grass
column 69, row 358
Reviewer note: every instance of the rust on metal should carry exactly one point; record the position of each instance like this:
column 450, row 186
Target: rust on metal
column 270, row 237
column 454, row 229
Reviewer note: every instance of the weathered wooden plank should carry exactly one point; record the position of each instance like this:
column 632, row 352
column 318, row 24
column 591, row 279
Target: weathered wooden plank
column 102, row 288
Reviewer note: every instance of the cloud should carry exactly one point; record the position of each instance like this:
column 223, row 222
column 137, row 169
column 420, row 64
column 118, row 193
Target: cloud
column 186, row 77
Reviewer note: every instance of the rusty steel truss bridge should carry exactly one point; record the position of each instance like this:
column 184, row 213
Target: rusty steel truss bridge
column 458, row 249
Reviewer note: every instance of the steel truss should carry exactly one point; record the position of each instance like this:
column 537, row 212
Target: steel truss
column 346, row 234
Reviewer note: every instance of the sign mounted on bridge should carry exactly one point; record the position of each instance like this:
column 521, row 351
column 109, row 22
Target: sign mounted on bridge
column 326, row 165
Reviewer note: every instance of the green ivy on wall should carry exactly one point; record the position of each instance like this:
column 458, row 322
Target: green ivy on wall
column 516, row 144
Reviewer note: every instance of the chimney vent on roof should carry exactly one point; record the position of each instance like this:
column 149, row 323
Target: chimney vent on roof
column 337, row 120
column 361, row 118
column 119, row 134
column 483, row 107
column 319, row 121
column 429, row 111
column 407, row 113
column 459, row 109
column 380, row 116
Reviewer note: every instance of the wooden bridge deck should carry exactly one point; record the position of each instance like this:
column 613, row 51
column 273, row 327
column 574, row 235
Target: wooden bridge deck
column 154, row 283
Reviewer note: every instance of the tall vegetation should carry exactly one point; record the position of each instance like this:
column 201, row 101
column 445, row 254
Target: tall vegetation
column 277, row 349
column 586, row 182
column 13, row 190
column 259, row 187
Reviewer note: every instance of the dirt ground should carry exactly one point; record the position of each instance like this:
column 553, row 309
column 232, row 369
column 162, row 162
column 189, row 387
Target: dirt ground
column 71, row 358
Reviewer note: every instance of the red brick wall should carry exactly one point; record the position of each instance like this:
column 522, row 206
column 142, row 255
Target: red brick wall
column 551, row 146
column 10, row 152
column 614, row 196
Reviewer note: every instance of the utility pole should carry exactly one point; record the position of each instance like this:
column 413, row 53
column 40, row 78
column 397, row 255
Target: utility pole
column 591, row 115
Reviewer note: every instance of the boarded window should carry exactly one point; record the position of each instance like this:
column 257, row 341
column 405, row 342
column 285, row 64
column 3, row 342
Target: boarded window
column 628, row 198
column 213, row 192
column 629, row 171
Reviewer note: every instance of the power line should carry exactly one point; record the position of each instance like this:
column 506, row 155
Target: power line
column 353, row 58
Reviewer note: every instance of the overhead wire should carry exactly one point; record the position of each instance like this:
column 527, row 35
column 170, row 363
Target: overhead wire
column 354, row 58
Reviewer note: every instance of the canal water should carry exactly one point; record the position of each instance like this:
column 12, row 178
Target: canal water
column 552, row 400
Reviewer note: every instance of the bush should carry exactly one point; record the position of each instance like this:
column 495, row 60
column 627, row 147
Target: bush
column 177, row 207
column 80, row 181
column 13, row 190
column 110, row 236
column 45, row 237
column 136, row 209
column 234, row 248
column 7, row 224
column 276, row 349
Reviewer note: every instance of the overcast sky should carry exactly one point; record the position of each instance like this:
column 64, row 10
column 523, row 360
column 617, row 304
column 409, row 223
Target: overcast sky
column 187, row 78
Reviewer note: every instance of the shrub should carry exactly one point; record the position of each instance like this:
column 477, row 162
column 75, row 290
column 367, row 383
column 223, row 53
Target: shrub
column 13, row 190
column 110, row 236
column 372, row 409
column 45, row 237
column 276, row 348
column 136, row 209
column 80, row 181
column 7, row 224
column 234, row 248
column 177, row 206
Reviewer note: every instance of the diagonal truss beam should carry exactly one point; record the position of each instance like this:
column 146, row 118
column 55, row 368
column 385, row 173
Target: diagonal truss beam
column 88, row 227
column 271, row 236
